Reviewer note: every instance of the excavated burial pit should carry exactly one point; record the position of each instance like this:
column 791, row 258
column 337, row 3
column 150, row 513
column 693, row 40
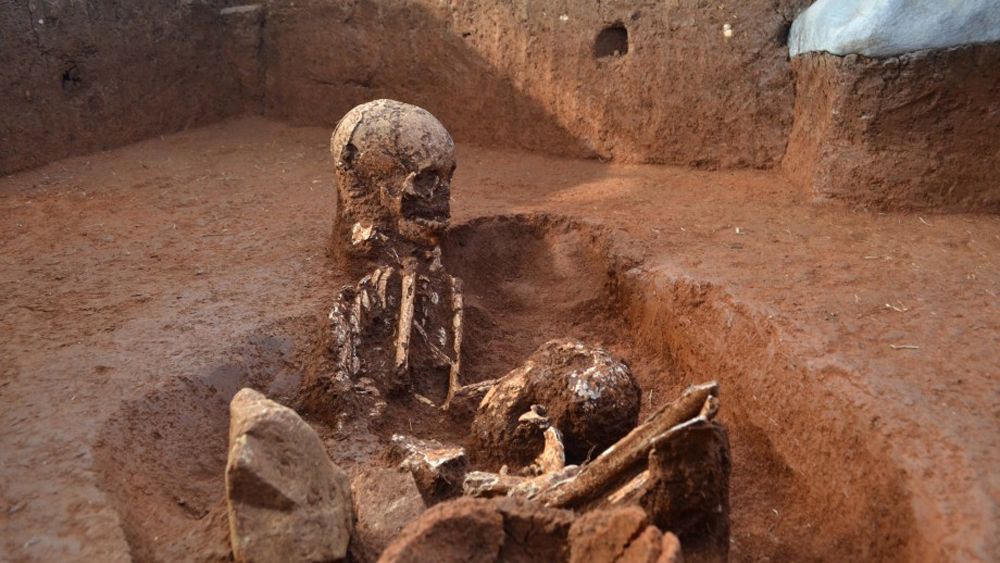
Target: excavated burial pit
column 807, row 483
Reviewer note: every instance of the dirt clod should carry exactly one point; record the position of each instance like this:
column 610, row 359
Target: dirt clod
column 616, row 534
column 517, row 530
column 688, row 488
column 385, row 500
column 461, row 530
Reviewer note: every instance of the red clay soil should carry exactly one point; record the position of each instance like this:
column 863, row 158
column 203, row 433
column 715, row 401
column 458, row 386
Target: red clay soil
column 684, row 93
column 859, row 122
column 80, row 77
column 857, row 352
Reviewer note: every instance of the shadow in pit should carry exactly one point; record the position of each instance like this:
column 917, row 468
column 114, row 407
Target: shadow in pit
column 817, row 486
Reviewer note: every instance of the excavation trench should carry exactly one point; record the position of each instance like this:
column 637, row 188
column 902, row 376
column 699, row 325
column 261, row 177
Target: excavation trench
column 808, row 480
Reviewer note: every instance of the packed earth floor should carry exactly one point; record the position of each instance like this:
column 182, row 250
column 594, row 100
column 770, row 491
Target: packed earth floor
column 857, row 351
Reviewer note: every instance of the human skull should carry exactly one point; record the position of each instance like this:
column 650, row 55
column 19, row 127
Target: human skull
column 394, row 163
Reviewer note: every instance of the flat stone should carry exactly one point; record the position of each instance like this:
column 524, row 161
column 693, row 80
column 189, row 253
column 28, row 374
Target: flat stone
column 466, row 529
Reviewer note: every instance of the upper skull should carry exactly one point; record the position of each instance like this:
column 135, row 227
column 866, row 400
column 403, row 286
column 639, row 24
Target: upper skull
column 394, row 163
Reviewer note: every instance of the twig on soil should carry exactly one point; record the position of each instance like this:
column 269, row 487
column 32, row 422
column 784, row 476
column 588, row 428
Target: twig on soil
column 901, row 309
column 424, row 400
column 904, row 346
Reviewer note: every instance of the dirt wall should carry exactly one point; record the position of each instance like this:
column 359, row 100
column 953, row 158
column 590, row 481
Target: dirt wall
column 915, row 131
column 530, row 75
column 684, row 82
column 84, row 76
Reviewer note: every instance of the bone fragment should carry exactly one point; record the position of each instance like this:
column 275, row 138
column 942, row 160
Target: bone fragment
column 405, row 320
column 630, row 490
column 424, row 400
column 361, row 233
column 553, row 457
column 430, row 344
column 487, row 484
column 535, row 416
column 457, row 307
column 484, row 484
column 614, row 464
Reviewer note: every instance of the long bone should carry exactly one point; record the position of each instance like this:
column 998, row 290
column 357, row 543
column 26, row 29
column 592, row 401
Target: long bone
column 598, row 477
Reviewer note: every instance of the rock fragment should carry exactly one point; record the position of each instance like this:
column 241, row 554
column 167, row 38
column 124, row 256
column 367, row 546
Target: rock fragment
column 385, row 500
column 653, row 546
column 603, row 535
column 533, row 532
column 286, row 500
column 438, row 470
column 590, row 397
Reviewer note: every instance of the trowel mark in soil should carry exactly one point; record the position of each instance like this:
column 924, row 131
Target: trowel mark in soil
column 530, row 279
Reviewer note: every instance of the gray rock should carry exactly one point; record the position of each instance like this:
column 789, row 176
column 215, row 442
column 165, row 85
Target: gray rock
column 287, row 501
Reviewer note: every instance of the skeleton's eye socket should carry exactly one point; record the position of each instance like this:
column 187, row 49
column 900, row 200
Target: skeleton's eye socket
column 349, row 155
column 426, row 182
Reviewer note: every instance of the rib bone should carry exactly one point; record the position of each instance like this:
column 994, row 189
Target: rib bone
column 405, row 321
